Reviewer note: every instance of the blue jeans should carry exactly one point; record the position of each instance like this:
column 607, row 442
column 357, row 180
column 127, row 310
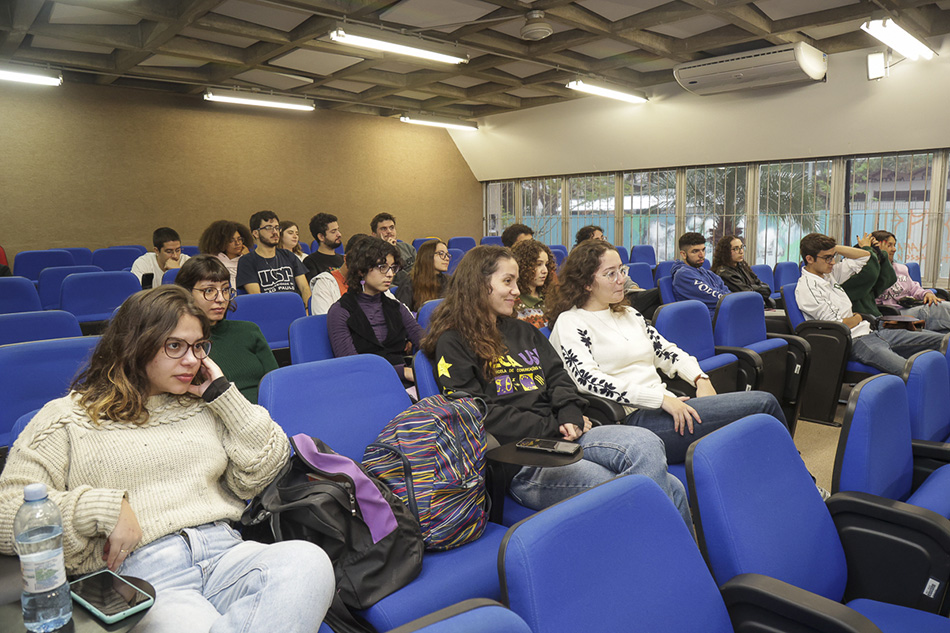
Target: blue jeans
column 714, row 411
column 609, row 451
column 887, row 350
column 207, row 579
column 936, row 315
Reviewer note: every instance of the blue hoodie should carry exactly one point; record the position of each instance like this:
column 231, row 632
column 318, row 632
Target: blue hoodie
column 697, row 283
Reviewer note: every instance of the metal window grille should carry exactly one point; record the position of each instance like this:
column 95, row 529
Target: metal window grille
column 649, row 211
column 716, row 202
column 794, row 200
column 591, row 201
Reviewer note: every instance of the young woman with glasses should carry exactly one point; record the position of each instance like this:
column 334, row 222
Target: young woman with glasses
column 239, row 347
column 367, row 321
column 150, row 457
column 610, row 351
column 228, row 241
column 428, row 275
column 729, row 263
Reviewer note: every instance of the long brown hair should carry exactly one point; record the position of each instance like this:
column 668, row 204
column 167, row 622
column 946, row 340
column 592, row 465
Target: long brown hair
column 284, row 225
column 426, row 284
column 466, row 309
column 526, row 253
column 722, row 256
column 115, row 386
column 576, row 276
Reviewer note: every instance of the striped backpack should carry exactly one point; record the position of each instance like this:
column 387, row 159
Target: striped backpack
column 432, row 457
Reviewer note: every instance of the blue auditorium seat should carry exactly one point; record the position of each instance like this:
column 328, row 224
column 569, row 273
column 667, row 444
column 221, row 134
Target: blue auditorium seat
column 419, row 241
column 21, row 327
column 82, row 256
column 273, row 312
column 786, row 273
column 116, row 258
column 765, row 274
column 928, row 398
column 425, row 312
column 913, row 268
column 457, row 255
column 641, row 274
column 624, row 255
column 309, row 339
column 95, row 296
column 560, row 253
column 29, row 264
column 665, row 285
column 463, row 243
column 50, row 283
column 426, row 384
column 18, row 294
column 663, row 269
column 491, row 240
column 471, row 616
column 190, row 251
column 169, row 276
column 644, row 253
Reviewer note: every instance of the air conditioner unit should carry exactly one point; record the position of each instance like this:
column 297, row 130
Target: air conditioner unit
column 784, row 64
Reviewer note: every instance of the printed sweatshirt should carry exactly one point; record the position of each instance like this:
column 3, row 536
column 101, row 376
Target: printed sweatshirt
column 903, row 287
column 697, row 283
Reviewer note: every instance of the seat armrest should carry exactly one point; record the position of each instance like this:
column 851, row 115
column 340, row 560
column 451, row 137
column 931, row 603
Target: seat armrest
column 750, row 366
column 796, row 368
column 806, row 327
column 604, row 411
column 896, row 552
column 758, row 603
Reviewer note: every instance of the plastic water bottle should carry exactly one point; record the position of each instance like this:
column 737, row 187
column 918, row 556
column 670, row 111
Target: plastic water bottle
column 38, row 531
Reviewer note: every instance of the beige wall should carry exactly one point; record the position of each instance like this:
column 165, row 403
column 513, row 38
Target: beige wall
column 85, row 165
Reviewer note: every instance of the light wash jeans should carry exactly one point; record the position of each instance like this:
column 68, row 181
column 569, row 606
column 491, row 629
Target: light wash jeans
column 887, row 350
column 609, row 451
column 714, row 411
column 207, row 578
column 937, row 316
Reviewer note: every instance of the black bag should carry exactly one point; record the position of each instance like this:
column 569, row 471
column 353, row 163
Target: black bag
column 372, row 539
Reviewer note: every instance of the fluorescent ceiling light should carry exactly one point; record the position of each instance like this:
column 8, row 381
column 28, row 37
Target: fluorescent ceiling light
column 603, row 89
column 380, row 40
column 888, row 32
column 438, row 121
column 27, row 75
column 254, row 99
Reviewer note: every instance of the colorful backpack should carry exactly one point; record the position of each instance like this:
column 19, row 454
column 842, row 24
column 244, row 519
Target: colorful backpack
column 432, row 456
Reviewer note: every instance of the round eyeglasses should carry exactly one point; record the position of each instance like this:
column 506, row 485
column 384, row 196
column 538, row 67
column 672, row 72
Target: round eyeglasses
column 386, row 270
column 444, row 255
column 176, row 348
column 212, row 294
column 614, row 275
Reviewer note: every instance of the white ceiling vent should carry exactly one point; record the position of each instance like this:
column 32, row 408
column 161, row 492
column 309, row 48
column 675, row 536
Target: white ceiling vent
column 775, row 66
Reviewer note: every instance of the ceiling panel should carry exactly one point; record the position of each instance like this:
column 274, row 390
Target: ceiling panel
column 602, row 48
column 349, row 86
column 314, row 62
column 281, row 81
column 265, row 14
column 463, row 82
column 69, row 14
column 523, row 69
column 434, row 13
column 781, row 9
column 619, row 9
column 42, row 41
column 834, row 30
column 220, row 38
column 513, row 28
column 172, row 62
column 689, row 27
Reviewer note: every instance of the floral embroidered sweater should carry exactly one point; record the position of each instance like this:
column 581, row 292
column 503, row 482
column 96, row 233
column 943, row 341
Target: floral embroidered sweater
column 615, row 355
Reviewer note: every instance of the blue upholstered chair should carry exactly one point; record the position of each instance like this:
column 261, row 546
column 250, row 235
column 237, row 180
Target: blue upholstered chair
column 419, row 241
column 786, row 273
column 624, row 254
column 18, row 294
column 82, row 256
column 641, row 274
column 758, row 513
column 116, row 257
column 51, row 282
column 29, row 264
column 309, row 339
column 560, row 253
column 21, row 327
column 463, row 243
column 366, row 394
column 273, row 312
column 426, row 384
column 425, row 312
column 95, row 296
column 765, row 274
column 457, row 255
column 663, row 269
column 472, row 616
column 190, row 251
column 138, row 248
column 491, row 240
column 169, row 276
column 644, row 253
column 665, row 285
column 913, row 268
column 928, row 398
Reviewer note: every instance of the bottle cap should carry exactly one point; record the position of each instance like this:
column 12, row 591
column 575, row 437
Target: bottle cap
column 34, row 492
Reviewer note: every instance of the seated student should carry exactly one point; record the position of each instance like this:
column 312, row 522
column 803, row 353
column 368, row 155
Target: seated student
column 820, row 296
column 366, row 319
column 269, row 268
column 149, row 457
column 610, row 351
column 290, row 239
column 873, row 278
column 535, row 278
column 589, row 232
column 690, row 279
column 428, row 278
column 931, row 308
column 479, row 349
column 327, row 287
column 516, row 233
column 729, row 263
column 383, row 226
column 228, row 241
column 238, row 347
column 326, row 231
column 167, row 256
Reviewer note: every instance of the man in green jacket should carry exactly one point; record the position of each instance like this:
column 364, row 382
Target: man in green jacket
column 877, row 276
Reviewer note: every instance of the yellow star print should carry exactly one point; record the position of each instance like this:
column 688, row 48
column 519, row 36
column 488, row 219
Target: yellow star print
column 444, row 367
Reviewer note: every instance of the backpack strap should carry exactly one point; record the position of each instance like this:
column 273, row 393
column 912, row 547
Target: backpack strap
column 406, row 473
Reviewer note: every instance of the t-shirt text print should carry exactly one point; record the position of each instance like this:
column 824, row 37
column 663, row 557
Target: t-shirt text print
column 512, row 375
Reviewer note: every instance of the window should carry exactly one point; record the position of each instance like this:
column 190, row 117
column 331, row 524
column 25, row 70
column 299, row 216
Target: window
column 541, row 208
column 715, row 203
column 794, row 200
column 649, row 211
column 591, row 200
column 501, row 202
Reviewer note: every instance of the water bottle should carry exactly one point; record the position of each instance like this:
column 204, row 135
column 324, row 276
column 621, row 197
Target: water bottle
column 38, row 532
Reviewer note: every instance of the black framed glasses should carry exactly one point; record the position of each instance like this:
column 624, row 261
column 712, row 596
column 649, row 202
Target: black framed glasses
column 212, row 293
column 273, row 228
column 386, row 270
column 444, row 255
column 176, row 348
column 738, row 249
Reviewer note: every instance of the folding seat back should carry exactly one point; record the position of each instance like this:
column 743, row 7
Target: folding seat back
column 190, row 251
column 309, row 339
column 51, row 282
column 457, row 255
column 491, row 240
column 425, row 312
column 116, row 257
column 21, row 327
column 913, row 268
column 29, row 264
column 765, row 274
column 138, row 248
column 82, row 256
column 665, row 284
column 463, row 243
column 786, row 273
column 416, row 243
column 687, row 325
column 305, row 248
column 273, row 312
column 18, row 294
column 644, row 253
column 634, row 554
column 928, row 398
column 472, row 616
column 641, row 274
column 95, row 296
column 169, row 276
column 426, row 384
column 663, row 269
column 624, row 255
column 559, row 251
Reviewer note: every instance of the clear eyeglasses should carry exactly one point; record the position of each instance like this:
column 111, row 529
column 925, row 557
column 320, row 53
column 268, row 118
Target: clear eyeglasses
column 176, row 348
column 613, row 275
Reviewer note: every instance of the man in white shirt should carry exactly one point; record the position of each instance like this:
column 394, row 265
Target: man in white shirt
column 820, row 297
column 167, row 255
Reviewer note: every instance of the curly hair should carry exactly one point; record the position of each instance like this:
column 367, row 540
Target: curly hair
column 284, row 225
column 527, row 253
column 425, row 278
column 365, row 254
column 722, row 256
column 115, row 385
column 510, row 235
column 215, row 238
column 466, row 308
column 576, row 276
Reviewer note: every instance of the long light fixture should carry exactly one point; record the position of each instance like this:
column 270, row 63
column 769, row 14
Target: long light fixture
column 27, row 75
column 891, row 34
column 437, row 121
column 380, row 40
column 604, row 89
column 255, row 99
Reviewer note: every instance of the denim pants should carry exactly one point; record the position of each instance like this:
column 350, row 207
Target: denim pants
column 936, row 315
column 207, row 578
column 887, row 350
column 609, row 451
column 714, row 411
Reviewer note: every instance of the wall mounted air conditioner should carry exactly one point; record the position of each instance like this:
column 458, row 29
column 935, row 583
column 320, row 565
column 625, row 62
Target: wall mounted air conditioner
column 784, row 64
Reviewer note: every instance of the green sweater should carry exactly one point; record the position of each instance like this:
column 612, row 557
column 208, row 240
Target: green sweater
column 239, row 348
column 877, row 276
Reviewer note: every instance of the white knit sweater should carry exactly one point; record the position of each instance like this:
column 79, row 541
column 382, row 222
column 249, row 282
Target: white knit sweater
column 191, row 463
column 615, row 355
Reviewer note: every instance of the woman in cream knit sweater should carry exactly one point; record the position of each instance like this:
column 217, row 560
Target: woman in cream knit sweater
column 149, row 458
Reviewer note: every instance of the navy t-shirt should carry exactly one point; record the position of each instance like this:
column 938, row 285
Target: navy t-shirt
column 274, row 274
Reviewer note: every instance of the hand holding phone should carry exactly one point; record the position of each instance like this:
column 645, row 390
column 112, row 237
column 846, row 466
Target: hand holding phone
column 110, row 597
